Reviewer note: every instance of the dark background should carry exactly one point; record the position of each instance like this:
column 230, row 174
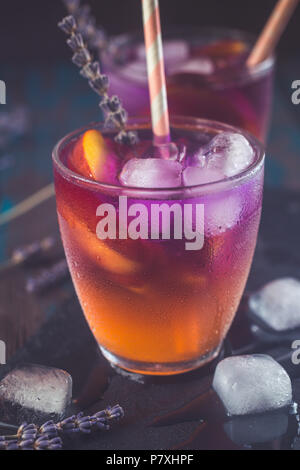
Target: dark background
column 35, row 64
column 28, row 31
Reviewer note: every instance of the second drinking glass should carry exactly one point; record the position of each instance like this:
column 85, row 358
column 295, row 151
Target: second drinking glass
column 206, row 74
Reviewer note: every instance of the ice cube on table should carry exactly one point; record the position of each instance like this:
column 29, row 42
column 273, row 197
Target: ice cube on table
column 193, row 176
column 277, row 304
column 230, row 152
column 151, row 173
column 252, row 384
column 35, row 393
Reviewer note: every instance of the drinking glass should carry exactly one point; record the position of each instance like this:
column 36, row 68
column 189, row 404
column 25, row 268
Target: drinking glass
column 154, row 305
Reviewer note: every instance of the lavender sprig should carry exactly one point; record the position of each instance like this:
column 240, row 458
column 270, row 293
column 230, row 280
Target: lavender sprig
column 47, row 436
column 33, row 443
column 29, row 253
column 86, row 424
column 48, row 278
column 92, row 34
column 82, row 424
column 111, row 106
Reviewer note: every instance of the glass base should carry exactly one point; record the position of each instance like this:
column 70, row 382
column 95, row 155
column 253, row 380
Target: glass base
column 151, row 368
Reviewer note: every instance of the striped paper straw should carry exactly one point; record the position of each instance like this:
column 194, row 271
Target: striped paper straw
column 156, row 72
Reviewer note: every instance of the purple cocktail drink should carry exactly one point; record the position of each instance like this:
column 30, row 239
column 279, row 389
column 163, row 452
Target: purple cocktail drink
column 206, row 74
column 159, row 250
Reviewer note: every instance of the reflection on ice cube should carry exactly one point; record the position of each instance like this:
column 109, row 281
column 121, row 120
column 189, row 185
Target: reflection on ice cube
column 193, row 176
column 232, row 153
column 199, row 66
column 222, row 213
column 252, row 384
column 174, row 51
column 257, row 429
column 136, row 71
column 151, row 173
column 277, row 304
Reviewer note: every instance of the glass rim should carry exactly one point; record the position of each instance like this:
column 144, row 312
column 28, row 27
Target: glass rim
column 179, row 122
column 244, row 75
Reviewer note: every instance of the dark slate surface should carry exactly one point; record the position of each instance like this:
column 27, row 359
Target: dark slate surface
column 63, row 340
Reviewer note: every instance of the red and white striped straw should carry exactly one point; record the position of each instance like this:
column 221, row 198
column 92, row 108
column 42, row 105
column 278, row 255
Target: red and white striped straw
column 156, row 72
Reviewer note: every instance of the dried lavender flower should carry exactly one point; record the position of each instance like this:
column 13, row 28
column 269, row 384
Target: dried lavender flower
column 115, row 114
column 91, row 71
column 27, row 432
column 11, row 445
column 99, row 84
column 82, row 424
column 126, row 138
column 44, row 443
column 75, row 42
column 92, row 34
column 68, row 425
column 68, row 25
column 72, row 5
column 46, row 437
column 81, row 58
column 111, row 413
column 29, row 255
column 99, row 40
column 27, row 444
column 48, row 429
column 86, row 424
column 34, row 251
column 48, row 277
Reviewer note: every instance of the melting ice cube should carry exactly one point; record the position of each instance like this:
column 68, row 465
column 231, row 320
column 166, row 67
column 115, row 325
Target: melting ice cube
column 193, row 176
column 230, row 152
column 136, row 71
column 151, row 173
column 199, row 66
column 277, row 304
column 35, row 392
column 252, row 384
column 222, row 213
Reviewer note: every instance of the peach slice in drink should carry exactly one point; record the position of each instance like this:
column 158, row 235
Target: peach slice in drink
column 97, row 250
column 95, row 158
column 222, row 49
